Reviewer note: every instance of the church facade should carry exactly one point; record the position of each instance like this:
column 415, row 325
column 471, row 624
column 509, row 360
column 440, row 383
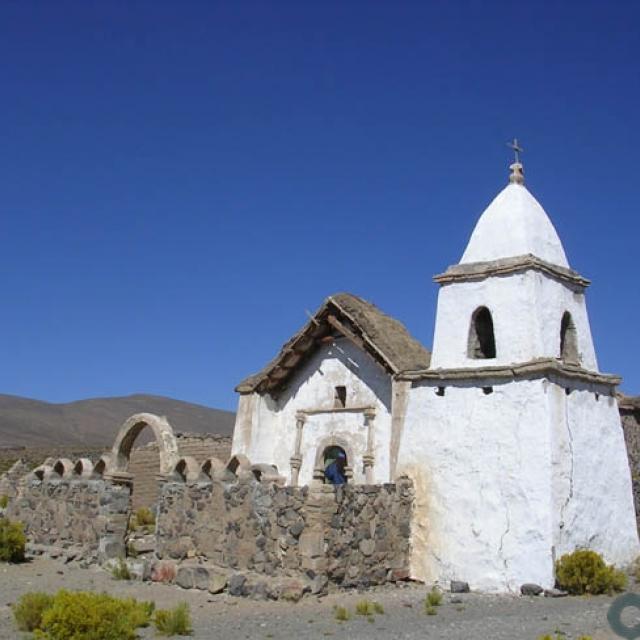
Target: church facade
column 510, row 433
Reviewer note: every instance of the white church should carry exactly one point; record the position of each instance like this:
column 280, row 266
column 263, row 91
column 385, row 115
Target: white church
column 511, row 435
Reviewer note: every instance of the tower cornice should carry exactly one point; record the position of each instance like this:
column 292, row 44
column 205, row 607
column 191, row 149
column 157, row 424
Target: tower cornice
column 471, row 271
column 550, row 368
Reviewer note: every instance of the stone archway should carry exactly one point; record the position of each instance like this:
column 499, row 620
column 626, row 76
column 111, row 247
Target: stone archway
column 167, row 445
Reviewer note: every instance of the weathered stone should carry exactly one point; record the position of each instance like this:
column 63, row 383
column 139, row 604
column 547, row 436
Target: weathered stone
column 237, row 584
column 184, row 578
column 164, row 571
column 530, row 589
column 555, row 593
column 367, row 547
column 457, row 586
column 217, row 582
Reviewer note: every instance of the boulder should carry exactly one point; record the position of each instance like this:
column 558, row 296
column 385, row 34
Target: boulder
column 531, row 589
column 457, row 586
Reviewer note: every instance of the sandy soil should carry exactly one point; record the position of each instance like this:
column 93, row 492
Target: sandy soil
column 477, row 617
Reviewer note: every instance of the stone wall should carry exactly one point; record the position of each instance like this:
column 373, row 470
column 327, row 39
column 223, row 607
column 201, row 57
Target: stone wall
column 630, row 415
column 144, row 462
column 356, row 534
column 87, row 514
column 9, row 480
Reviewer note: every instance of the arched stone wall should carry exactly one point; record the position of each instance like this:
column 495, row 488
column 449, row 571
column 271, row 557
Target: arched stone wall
column 188, row 469
column 130, row 430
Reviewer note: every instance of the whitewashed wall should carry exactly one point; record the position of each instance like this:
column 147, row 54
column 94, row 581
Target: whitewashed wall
column 311, row 388
column 481, row 465
column 592, row 493
column 527, row 310
column 507, row 482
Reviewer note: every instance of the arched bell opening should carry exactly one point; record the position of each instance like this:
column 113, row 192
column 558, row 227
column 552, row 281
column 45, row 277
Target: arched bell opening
column 568, row 340
column 481, row 344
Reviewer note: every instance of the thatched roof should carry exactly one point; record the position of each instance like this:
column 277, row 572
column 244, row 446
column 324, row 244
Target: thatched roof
column 384, row 338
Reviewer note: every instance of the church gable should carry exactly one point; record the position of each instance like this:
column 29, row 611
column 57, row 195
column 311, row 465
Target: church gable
column 385, row 339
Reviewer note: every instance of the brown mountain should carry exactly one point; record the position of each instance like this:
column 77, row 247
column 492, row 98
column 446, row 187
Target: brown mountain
column 95, row 422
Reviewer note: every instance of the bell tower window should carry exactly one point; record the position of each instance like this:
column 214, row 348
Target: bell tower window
column 482, row 343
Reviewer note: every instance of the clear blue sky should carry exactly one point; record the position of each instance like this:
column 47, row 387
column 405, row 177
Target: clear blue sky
column 180, row 181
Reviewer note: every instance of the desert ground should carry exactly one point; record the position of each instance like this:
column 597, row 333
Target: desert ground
column 460, row 617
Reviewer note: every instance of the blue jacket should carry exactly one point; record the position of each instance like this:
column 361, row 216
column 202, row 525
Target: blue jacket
column 333, row 474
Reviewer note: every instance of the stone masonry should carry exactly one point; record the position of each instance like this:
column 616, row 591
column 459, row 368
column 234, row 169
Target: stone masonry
column 352, row 535
column 630, row 414
column 87, row 515
column 144, row 463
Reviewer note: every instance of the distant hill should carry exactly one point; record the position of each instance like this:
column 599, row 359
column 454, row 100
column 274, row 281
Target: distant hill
column 95, row 422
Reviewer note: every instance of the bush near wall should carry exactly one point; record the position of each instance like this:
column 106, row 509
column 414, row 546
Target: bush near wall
column 585, row 571
column 12, row 541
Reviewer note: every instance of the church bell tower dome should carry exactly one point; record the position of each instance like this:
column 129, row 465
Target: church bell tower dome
column 514, row 224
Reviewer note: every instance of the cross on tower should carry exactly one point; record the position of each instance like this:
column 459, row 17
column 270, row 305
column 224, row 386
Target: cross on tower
column 517, row 149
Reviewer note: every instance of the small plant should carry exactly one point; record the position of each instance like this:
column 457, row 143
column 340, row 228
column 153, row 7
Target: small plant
column 368, row 608
column 27, row 612
column 429, row 610
column 83, row 615
column 121, row 571
column 12, row 541
column 142, row 520
column 4, row 501
column 585, row 571
column 174, row 622
column 434, row 598
column 342, row 613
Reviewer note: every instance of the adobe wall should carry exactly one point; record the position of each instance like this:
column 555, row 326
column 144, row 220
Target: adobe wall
column 356, row 534
column 144, row 462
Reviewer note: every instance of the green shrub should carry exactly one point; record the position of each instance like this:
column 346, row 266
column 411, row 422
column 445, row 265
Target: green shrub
column 584, row 571
column 83, row 615
column 12, row 541
column 364, row 608
column 342, row 613
column 121, row 571
column 4, row 501
column 434, row 598
column 28, row 611
column 174, row 622
column 143, row 519
column 429, row 610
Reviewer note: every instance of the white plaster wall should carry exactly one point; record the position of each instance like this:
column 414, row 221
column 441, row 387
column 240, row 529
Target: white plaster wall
column 527, row 310
column 273, row 423
column 592, row 493
column 481, row 465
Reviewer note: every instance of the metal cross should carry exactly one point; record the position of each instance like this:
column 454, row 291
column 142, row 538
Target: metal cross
column 516, row 148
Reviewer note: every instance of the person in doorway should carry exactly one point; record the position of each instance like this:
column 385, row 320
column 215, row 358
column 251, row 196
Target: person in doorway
column 334, row 473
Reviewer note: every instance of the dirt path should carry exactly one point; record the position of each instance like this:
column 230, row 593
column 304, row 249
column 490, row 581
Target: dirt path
column 476, row 617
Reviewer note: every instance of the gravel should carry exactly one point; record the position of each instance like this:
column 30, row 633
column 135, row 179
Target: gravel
column 461, row 617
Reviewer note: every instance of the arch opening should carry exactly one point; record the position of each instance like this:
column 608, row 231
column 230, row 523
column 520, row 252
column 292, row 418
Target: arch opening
column 481, row 343
column 568, row 340
column 335, row 463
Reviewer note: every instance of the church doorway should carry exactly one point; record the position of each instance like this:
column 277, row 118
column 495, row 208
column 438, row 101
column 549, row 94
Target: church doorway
column 335, row 462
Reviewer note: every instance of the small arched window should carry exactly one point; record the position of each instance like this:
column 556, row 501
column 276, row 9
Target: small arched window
column 568, row 340
column 482, row 343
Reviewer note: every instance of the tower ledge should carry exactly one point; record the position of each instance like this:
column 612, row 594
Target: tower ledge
column 469, row 271
column 550, row 368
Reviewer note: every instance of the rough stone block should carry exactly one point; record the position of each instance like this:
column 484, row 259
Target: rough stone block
column 217, row 582
column 530, row 589
column 457, row 586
